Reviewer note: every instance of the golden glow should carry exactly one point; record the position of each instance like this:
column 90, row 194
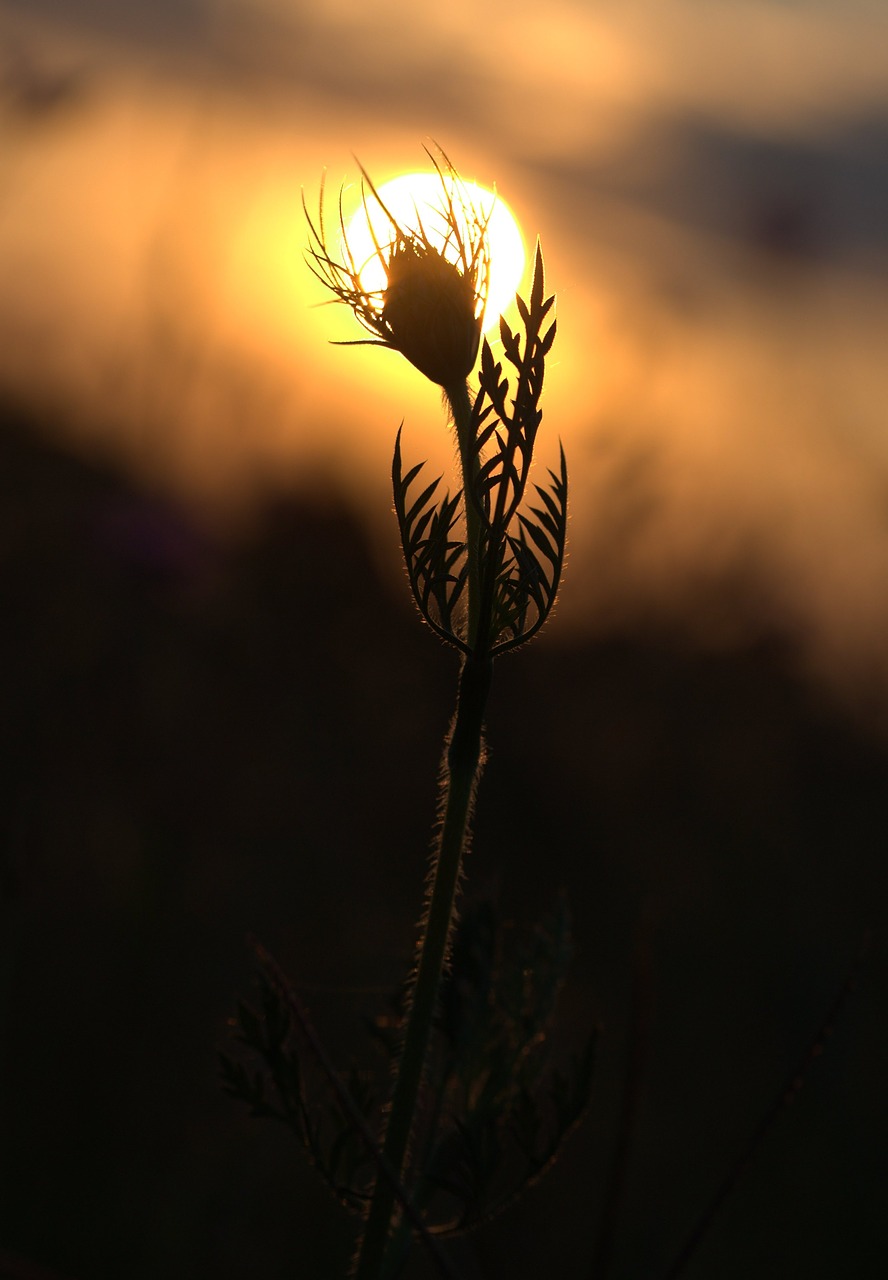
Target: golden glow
column 419, row 195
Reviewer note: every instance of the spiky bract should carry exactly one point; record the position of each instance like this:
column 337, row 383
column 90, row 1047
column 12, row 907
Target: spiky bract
column 436, row 277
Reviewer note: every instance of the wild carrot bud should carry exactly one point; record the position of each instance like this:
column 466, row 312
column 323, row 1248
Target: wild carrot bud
column 429, row 312
column 435, row 290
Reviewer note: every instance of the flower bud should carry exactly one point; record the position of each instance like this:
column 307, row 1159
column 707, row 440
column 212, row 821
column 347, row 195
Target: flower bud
column 430, row 312
column 431, row 307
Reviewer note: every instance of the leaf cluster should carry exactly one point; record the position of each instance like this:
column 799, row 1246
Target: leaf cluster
column 434, row 549
column 273, row 1074
column 504, row 1107
column 497, row 1110
column 522, row 527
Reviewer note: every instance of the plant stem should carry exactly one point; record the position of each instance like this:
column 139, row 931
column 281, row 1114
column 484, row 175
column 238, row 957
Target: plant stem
column 461, row 411
column 463, row 760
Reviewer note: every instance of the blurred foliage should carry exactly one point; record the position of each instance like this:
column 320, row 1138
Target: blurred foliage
column 496, row 1108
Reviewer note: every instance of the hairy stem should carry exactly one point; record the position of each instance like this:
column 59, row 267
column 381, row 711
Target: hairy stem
column 461, row 411
column 462, row 766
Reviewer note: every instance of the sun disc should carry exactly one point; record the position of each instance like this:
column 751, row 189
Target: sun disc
column 415, row 196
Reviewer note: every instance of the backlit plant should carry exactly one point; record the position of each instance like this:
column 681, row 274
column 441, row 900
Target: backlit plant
column 476, row 1111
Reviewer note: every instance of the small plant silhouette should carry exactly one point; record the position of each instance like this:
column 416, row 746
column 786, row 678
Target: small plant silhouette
column 476, row 1112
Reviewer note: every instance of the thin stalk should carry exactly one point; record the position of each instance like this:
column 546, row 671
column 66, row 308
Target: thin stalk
column 462, row 766
column 461, row 411
column 784, row 1099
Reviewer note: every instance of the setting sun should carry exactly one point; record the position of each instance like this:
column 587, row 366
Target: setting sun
column 418, row 195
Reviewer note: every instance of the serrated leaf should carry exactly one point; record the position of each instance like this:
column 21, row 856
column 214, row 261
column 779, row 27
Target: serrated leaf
column 435, row 560
column 541, row 539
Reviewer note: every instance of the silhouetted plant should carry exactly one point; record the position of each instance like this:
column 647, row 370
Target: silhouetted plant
column 477, row 1112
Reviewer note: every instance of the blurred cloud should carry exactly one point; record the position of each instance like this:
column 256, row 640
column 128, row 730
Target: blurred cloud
column 552, row 78
column 710, row 186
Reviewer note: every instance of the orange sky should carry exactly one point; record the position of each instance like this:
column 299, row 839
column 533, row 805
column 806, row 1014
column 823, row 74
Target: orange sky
column 709, row 183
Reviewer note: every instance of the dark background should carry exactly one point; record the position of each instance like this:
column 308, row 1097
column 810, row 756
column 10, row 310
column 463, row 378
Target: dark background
column 204, row 739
